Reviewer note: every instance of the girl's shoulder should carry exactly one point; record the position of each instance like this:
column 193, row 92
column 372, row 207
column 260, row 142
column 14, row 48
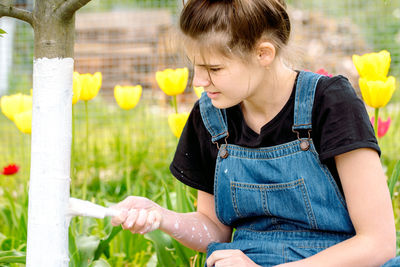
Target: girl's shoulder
column 335, row 87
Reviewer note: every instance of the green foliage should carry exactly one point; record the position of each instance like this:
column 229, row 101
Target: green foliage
column 2, row 32
column 394, row 178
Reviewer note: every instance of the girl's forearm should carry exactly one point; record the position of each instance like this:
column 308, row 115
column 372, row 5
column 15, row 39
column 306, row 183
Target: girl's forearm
column 194, row 230
column 356, row 251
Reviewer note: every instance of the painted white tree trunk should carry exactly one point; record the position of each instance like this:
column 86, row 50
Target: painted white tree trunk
column 49, row 184
column 6, row 45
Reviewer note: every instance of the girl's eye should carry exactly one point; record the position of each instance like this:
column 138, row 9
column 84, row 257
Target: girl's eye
column 215, row 69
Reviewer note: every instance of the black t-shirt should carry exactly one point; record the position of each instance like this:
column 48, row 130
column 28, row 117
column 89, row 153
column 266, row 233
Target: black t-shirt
column 340, row 123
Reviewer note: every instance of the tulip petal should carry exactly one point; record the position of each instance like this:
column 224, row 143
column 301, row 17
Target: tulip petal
column 13, row 104
column 177, row 122
column 127, row 97
column 23, row 121
column 373, row 66
column 377, row 93
column 91, row 85
column 76, row 88
column 198, row 90
column 172, row 82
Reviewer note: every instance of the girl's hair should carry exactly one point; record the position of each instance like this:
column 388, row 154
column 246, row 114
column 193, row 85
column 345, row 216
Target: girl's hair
column 235, row 25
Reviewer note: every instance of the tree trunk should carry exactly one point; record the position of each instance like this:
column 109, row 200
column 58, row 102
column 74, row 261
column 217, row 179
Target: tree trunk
column 53, row 22
column 51, row 136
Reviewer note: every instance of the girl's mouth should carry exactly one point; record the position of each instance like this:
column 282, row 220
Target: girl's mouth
column 212, row 94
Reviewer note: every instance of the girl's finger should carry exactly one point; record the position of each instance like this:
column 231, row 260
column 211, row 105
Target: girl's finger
column 218, row 255
column 131, row 219
column 117, row 220
column 140, row 221
column 149, row 222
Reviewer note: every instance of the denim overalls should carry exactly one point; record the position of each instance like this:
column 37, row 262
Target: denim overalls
column 284, row 204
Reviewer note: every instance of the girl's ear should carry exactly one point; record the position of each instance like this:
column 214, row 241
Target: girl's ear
column 265, row 53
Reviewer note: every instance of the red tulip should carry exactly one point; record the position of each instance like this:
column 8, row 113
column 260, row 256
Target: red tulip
column 323, row 72
column 10, row 169
column 383, row 126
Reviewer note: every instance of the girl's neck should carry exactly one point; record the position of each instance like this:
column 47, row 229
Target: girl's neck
column 271, row 96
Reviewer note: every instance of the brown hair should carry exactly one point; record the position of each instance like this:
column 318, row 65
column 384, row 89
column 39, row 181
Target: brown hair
column 240, row 23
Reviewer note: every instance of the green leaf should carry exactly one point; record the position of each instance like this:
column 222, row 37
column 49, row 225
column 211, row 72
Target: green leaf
column 100, row 263
column 394, row 178
column 73, row 250
column 104, row 244
column 12, row 256
column 2, row 32
column 162, row 244
column 86, row 245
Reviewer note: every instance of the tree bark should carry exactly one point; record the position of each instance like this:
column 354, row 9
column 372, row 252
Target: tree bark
column 53, row 22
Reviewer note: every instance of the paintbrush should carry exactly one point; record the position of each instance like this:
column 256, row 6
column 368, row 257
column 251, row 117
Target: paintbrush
column 79, row 207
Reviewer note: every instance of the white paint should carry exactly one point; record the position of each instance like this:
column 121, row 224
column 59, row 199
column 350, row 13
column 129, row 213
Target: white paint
column 6, row 51
column 47, row 244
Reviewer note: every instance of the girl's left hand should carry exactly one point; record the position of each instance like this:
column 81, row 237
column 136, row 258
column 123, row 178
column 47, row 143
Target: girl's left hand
column 231, row 258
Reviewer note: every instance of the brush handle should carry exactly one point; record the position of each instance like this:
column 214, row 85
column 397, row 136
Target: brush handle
column 79, row 207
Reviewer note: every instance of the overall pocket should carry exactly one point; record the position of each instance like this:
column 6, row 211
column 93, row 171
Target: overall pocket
column 286, row 202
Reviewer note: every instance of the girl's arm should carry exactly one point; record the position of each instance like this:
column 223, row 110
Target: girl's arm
column 370, row 209
column 194, row 230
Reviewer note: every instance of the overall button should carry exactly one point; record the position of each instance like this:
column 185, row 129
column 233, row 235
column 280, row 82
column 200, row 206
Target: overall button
column 304, row 145
column 223, row 153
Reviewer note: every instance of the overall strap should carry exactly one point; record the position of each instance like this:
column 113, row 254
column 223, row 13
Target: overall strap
column 305, row 92
column 213, row 118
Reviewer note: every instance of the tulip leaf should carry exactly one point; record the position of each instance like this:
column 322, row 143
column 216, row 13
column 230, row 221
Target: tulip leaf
column 86, row 247
column 2, row 32
column 163, row 245
column 100, row 263
column 104, row 244
column 12, row 256
column 394, row 178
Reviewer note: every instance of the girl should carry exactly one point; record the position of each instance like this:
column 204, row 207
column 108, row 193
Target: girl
column 287, row 158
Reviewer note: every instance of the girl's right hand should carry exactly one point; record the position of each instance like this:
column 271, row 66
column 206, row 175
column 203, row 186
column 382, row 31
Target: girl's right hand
column 138, row 215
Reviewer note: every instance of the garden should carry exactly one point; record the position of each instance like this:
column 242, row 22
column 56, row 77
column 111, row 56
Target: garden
column 125, row 128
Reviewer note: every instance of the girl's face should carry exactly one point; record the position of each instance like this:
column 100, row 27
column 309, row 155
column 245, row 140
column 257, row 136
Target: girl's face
column 227, row 81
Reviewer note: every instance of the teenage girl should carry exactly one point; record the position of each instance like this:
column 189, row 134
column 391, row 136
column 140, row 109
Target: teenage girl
column 287, row 158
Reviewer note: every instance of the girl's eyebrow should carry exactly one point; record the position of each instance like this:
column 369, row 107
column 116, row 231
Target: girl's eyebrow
column 208, row 65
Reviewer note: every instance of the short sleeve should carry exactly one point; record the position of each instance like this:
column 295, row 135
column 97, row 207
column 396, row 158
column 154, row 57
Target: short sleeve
column 193, row 162
column 341, row 120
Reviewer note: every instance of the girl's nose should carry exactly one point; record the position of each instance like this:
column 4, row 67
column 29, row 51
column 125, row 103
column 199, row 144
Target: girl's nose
column 201, row 78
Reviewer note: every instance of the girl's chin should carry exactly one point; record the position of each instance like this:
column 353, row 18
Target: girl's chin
column 222, row 103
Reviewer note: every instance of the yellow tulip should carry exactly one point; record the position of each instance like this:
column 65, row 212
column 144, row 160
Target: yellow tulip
column 23, row 121
column 176, row 122
column 90, row 85
column 76, row 87
column 198, row 90
column 172, row 82
column 373, row 66
column 127, row 97
column 13, row 104
column 377, row 93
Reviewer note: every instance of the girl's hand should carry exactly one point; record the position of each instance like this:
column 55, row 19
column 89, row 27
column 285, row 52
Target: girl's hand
column 138, row 215
column 231, row 258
